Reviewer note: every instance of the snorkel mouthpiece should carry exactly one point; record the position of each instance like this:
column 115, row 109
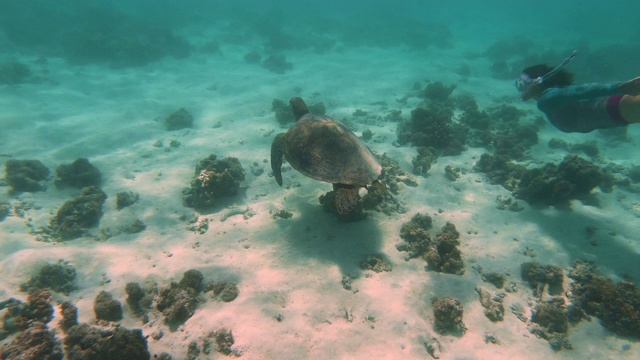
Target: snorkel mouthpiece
column 525, row 83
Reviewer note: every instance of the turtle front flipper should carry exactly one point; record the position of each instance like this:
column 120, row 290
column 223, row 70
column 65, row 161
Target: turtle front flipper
column 277, row 150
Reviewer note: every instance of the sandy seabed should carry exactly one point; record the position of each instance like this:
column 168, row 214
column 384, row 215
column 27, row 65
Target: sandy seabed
column 292, row 301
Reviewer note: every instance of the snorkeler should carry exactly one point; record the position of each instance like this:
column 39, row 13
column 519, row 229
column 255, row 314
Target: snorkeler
column 580, row 108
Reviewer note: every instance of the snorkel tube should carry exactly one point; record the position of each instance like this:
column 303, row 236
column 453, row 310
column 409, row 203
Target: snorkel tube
column 526, row 83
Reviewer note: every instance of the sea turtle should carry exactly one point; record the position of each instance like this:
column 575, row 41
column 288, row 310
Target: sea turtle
column 324, row 149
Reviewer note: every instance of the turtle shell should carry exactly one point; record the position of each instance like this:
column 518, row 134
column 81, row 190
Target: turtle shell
column 324, row 149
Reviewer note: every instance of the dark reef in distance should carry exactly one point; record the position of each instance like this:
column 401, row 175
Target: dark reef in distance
column 90, row 33
column 13, row 72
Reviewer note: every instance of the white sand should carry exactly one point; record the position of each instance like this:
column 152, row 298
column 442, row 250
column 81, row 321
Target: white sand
column 294, row 267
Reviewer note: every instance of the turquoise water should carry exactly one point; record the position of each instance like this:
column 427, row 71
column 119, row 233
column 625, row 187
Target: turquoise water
column 147, row 90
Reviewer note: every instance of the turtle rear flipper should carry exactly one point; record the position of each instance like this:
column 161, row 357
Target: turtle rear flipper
column 277, row 149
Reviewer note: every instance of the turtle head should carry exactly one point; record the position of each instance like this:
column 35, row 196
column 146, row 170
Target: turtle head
column 298, row 107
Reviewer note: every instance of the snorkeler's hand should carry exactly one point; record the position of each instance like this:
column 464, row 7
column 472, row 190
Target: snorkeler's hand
column 631, row 87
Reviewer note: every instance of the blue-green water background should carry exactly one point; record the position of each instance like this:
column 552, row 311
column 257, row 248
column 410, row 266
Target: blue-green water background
column 499, row 37
column 606, row 33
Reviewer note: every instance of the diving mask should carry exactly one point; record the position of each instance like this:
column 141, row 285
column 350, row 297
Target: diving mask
column 525, row 82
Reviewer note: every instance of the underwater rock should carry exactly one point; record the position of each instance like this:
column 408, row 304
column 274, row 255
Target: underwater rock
column 180, row 119
column 79, row 174
column 246, row 213
column 589, row 148
column 494, row 278
column 25, row 175
column 634, row 173
column 551, row 316
column 135, row 294
column 393, row 176
column 555, row 143
column 282, row 214
column 498, row 129
column 223, row 290
column 69, row 314
column 178, row 302
column 471, row 115
column 452, row 173
column 252, row 57
column 466, row 103
column 20, row 316
column 5, row 208
column 616, row 305
column 417, row 239
column 500, row 171
column 224, row 340
column 277, row 63
column 85, row 342
column 192, row 279
column 193, row 350
column 164, row 356
column 443, row 254
column 493, row 310
column 508, row 202
column 58, row 277
column 514, row 143
column 538, row 275
column 211, row 47
column 433, row 347
column 505, row 116
column 282, row 112
column 422, row 162
column 328, row 202
column 125, row 199
column 551, row 323
column 378, row 198
column 13, row 73
column 556, row 185
column 367, row 135
column 377, row 263
column 432, row 126
column 448, row 314
column 36, row 342
column 76, row 216
column 137, row 226
column 437, row 91
column 107, row 308
column 213, row 178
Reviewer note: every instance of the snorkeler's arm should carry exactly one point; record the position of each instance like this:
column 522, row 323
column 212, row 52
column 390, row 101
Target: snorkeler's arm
column 631, row 87
column 557, row 97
